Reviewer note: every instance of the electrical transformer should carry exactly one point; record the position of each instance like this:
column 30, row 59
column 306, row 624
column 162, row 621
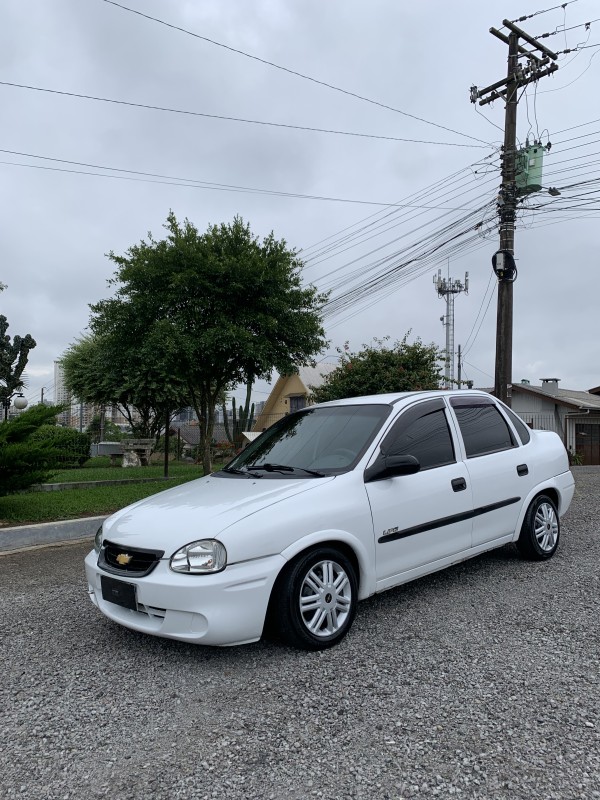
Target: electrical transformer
column 529, row 169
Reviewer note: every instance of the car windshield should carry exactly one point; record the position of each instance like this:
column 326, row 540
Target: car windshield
column 314, row 442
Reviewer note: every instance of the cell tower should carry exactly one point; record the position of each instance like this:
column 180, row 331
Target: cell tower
column 447, row 287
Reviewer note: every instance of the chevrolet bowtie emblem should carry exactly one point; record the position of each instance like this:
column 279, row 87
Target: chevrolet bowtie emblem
column 123, row 559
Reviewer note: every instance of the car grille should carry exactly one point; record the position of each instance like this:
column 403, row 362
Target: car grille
column 114, row 558
column 151, row 611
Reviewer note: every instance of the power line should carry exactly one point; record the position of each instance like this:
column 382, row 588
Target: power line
column 406, row 275
column 390, row 219
column 314, row 262
column 575, row 138
column 581, row 74
column 384, row 227
column 192, row 183
column 293, row 72
column 434, row 247
column 544, row 11
column 469, row 347
column 222, row 117
column 562, row 29
column 581, row 125
column 487, row 374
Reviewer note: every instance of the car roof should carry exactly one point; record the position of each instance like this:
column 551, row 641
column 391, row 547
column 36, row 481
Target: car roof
column 395, row 397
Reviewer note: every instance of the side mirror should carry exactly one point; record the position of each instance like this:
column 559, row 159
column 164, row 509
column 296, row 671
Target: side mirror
column 390, row 466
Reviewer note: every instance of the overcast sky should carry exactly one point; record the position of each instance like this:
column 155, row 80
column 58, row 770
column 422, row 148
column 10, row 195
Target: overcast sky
column 419, row 58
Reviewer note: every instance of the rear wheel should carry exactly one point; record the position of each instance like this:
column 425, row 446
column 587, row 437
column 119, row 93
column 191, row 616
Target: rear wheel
column 540, row 531
column 315, row 602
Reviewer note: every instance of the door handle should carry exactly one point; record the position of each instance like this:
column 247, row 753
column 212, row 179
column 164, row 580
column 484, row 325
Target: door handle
column 522, row 469
column 459, row 484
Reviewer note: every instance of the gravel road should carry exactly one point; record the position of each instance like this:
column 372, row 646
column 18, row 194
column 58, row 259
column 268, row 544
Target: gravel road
column 478, row 682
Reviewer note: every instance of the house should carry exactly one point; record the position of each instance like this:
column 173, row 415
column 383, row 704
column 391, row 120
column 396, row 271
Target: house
column 291, row 393
column 573, row 414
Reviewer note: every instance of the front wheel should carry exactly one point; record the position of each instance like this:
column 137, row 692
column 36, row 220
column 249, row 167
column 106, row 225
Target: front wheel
column 540, row 531
column 315, row 603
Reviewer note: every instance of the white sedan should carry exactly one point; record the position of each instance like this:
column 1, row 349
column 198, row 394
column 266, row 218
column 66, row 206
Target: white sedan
column 327, row 507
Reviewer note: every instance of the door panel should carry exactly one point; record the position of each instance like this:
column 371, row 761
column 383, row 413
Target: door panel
column 499, row 490
column 496, row 465
column 419, row 519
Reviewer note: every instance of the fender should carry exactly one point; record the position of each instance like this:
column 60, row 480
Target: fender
column 563, row 485
column 366, row 559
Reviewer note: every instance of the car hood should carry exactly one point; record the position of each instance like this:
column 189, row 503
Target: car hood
column 200, row 509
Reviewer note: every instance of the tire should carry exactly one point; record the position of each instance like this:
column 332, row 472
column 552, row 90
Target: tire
column 315, row 600
column 540, row 531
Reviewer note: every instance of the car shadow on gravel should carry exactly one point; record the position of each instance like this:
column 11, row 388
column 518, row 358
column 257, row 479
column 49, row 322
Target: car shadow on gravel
column 403, row 607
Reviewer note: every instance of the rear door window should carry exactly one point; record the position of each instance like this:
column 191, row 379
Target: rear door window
column 483, row 428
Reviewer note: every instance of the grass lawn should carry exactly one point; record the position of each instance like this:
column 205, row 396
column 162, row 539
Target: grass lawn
column 32, row 507
column 102, row 471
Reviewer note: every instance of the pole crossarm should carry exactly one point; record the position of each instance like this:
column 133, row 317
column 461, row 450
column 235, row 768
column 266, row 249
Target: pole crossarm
column 503, row 38
column 533, row 42
column 518, row 82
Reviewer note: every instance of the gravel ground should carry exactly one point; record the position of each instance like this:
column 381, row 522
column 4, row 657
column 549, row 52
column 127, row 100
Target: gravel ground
column 478, row 682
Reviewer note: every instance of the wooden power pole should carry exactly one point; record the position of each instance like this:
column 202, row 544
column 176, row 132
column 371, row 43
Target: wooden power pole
column 503, row 261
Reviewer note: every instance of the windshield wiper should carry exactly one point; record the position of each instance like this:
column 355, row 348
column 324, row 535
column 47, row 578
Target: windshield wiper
column 244, row 472
column 285, row 468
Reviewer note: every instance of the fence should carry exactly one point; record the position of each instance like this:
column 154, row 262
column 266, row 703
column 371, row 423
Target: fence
column 542, row 422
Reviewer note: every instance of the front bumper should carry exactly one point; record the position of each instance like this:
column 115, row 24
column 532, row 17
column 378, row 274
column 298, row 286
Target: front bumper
column 226, row 608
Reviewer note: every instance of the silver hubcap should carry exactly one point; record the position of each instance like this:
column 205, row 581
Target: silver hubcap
column 325, row 598
column 546, row 527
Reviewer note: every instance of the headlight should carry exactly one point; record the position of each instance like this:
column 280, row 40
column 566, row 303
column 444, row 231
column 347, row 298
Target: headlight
column 207, row 555
column 98, row 540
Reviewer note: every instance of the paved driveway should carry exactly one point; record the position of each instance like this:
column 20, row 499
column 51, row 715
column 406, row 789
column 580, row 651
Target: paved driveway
column 478, row 682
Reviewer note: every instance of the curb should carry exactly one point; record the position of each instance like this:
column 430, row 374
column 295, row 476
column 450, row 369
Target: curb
column 45, row 533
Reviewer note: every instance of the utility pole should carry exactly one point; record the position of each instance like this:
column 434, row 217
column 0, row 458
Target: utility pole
column 503, row 261
column 447, row 287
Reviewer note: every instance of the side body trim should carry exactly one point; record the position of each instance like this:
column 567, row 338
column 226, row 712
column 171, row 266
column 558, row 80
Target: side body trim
column 443, row 521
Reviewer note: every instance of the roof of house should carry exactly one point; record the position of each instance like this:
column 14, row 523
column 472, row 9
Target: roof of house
column 567, row 397
column 309, row 377
column 315, row 376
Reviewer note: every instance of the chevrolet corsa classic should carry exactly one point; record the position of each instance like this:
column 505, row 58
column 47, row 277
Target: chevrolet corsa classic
column 327, row 507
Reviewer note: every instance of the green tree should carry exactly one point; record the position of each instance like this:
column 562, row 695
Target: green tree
column 112, row 432
column 13, row 360
column 377, row 369
column 127, row 371
column 23, row 460
column 211, row 311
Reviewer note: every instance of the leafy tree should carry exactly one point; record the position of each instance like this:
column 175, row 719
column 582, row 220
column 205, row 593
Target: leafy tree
column 112, row 432
column 211, row 310
column 127, row 372
column 377, row 369
column 23, row 460
column 72, row 447
column 13, row 360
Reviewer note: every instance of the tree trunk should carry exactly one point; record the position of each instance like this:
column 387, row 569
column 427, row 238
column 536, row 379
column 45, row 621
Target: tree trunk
column 204, row 423
column 205, row 407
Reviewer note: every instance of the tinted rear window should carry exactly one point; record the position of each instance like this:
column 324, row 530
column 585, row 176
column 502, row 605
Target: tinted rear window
column 522, row 429
column 483, row 428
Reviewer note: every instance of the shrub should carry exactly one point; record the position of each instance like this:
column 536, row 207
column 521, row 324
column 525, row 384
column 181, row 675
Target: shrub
column 23, row 460
column 73, row 448
column 377, row 369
